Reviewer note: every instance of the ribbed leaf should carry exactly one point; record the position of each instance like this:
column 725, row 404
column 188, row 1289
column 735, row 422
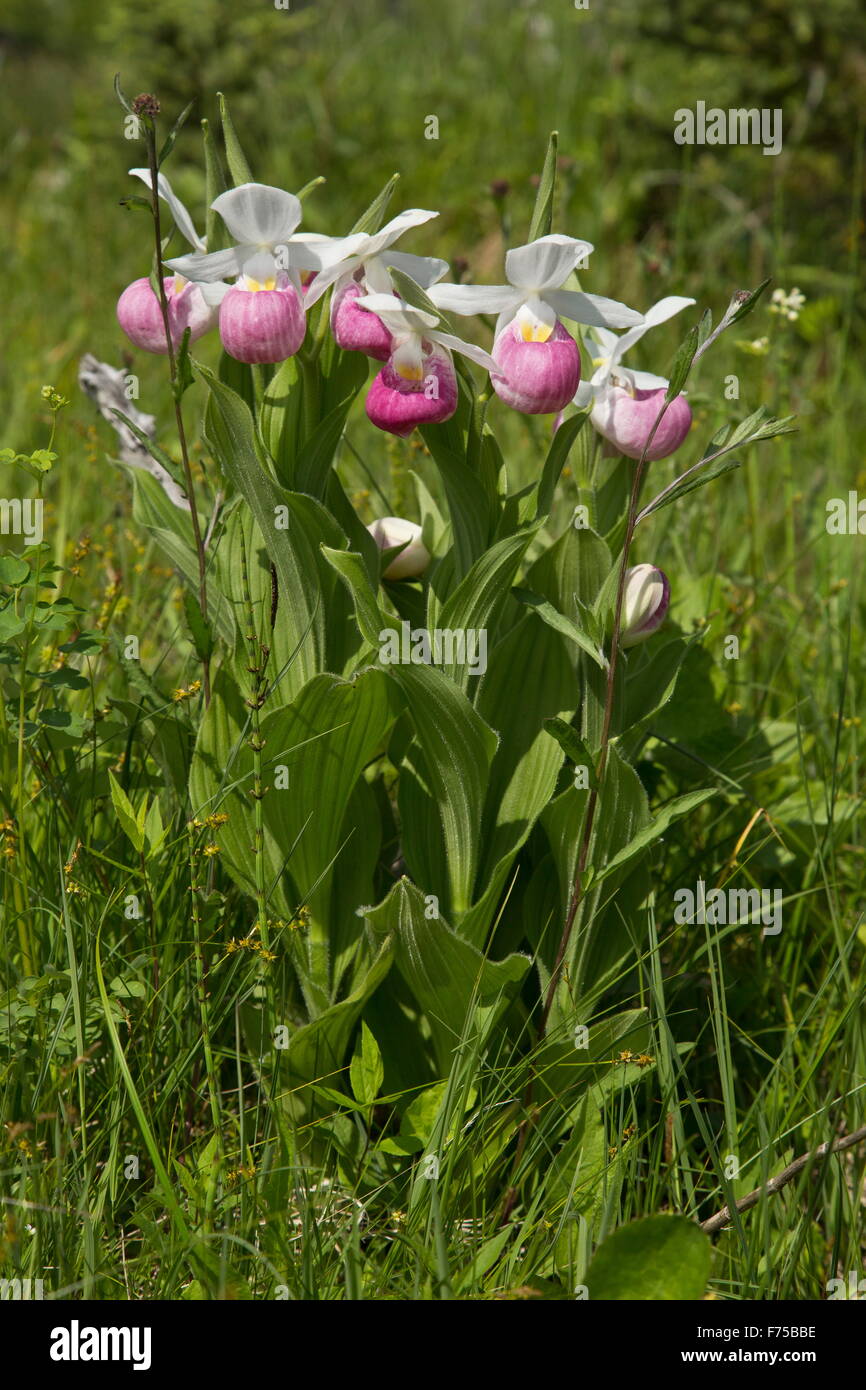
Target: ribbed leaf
column 475, row 602
column 305, row 582
column 461, row 993
column 526, row 765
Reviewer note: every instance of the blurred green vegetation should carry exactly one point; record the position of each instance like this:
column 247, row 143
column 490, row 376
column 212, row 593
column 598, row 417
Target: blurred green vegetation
column 343, row 91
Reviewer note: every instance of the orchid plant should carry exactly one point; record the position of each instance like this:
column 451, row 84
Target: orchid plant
column 412, row 839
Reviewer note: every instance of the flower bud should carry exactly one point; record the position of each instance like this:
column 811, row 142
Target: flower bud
column 645, row 604
column 388, row 531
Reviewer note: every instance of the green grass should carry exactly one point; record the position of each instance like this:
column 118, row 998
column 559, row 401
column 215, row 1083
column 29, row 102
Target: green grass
column 117, row 1180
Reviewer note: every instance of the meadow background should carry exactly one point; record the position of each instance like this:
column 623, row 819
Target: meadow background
column 759, row 1050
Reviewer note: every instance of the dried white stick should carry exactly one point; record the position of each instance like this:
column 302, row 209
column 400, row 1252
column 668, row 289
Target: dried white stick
column 106, row 387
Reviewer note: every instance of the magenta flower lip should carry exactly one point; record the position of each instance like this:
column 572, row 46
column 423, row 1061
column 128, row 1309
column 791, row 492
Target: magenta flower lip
column 536, row 378
column 139, row 314
column 358, row 330
column 626, row 421
column 397, row 404
column 262, row 325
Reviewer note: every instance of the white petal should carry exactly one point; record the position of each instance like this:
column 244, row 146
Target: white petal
column 257, row 214
column 408, row 356
column 666, row 308
column 376, row 277
column 659, row 313
column 536, row 313
column 424, row 270
column 261, row 267
column 592, row 309
column 207, row 269
column 215, row 293
column 546, row 263
column 326, row 278
column 583, row 396
column 393, row 230
column 476, row 299
column 601, row 342
column 453, row 344
column 329, row 250
column 397, row 316
column 647, row 381
column 182, row 219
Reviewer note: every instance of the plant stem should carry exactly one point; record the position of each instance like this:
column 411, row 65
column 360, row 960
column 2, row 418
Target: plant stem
column 257, row 659
column 150, row 136
column 204, row 1017
column 592, row 802
column 591, row 808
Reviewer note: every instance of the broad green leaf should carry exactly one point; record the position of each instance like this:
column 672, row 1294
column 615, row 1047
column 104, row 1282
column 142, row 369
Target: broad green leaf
column 235, row 157
column 168, row 143
column 325, row 738
column 10, row 624
column 457, row 749
column 682, row 364
column 662, row 1258
column 125, row 812
column 409, row 290
column 557, row 456
column 670, row 813
column 13, row 571
column 280, row 418
column 171, row 528
column 216, row 233
column 316, row 1051
column 475, row 603
column 621, row 813
column 316, row 455
column 573, row 746
column 365, row 1070
column 542, row 216
column 371, row 220
column 199, row 627
column 563, row 625
column 461, row 992
column 293, row 527
column 526, row 765
column 473, row 512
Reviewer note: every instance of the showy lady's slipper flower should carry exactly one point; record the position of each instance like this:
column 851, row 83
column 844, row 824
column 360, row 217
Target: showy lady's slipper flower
column 365, row 270
column 418, row 384
column 388, row 531
column 646, row 600
column 625, row 403
column 538, row 361
column 261, row 315
column 139, row 311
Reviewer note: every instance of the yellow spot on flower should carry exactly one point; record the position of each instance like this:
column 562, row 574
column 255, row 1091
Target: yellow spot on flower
column 535, row 332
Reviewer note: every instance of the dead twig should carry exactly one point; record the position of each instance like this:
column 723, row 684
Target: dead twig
column 723, row 1217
